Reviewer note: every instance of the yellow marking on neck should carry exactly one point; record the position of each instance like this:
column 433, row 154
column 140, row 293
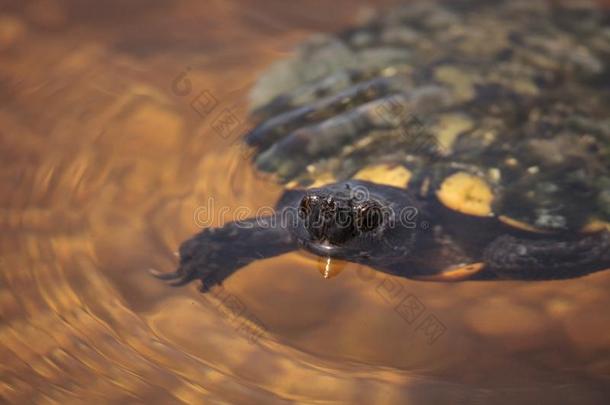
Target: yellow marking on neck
column 323, row 179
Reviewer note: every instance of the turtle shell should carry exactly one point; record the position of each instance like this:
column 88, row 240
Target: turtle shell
column 507, row 99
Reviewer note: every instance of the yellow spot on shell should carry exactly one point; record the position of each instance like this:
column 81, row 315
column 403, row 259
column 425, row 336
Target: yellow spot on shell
column 467, row 194
column 526, row 87
column 396, row 176
column 515, row 223
column 595, row 225
column 291, row 185
column 461, row 83
column 322, row 180
column 449, row 127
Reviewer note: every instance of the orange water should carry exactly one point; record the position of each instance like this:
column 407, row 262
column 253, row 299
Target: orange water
column 105, row 165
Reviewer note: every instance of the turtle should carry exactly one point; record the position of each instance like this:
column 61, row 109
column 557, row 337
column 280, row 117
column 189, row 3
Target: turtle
column 438, row 141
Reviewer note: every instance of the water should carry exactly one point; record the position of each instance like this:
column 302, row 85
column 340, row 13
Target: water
column 109, row 161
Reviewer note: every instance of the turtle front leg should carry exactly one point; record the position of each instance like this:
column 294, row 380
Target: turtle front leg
column 215, row 253
column 548, row 259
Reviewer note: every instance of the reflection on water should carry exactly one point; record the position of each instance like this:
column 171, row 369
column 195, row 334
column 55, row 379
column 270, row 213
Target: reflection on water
column 104, row 163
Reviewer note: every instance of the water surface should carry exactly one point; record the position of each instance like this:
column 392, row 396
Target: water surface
column 110, row 158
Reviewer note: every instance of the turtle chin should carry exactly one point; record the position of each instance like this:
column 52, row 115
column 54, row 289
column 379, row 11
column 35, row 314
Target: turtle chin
column 349, row 251
column 324, row 249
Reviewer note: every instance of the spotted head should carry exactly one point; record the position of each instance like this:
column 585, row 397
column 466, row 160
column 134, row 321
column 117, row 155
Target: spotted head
column 357, row 219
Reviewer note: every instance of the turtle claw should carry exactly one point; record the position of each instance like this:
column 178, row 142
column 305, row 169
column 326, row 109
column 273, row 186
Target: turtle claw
column 212, row 255
column 183, row 276
column 184, row 280
column 176, row 278
column 206, row 286
column 201, row 257
column 164, row 276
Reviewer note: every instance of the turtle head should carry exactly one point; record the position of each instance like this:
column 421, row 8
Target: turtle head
column 354, row 220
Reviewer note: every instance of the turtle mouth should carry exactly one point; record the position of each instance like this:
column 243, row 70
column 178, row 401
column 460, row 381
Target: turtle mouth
column 323, row 248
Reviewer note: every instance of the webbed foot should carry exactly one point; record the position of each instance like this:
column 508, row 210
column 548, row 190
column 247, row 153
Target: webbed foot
column 215, row 253
column 199, row 259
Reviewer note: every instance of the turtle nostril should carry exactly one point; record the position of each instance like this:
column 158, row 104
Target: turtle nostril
column 307, row 205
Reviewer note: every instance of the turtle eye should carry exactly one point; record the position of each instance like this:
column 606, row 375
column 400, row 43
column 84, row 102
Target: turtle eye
column 306, row 205
column 368, row 216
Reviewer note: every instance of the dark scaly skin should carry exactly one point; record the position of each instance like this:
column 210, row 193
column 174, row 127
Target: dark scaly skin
column 522, row 88
column 409, row 241
column 511, row 257
column 215, row 253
